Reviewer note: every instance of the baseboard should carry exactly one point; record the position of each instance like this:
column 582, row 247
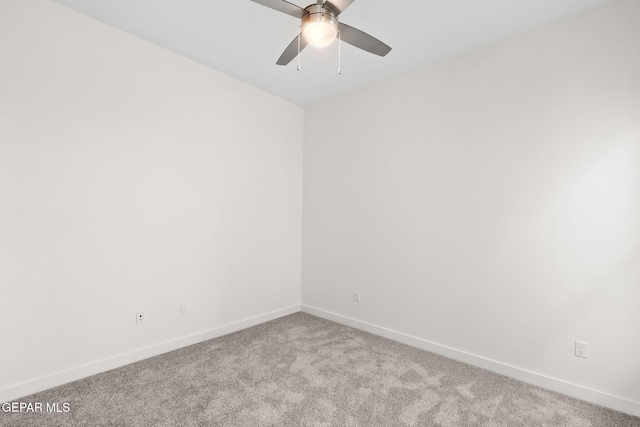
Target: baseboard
column 569, row 389
column 26, row 388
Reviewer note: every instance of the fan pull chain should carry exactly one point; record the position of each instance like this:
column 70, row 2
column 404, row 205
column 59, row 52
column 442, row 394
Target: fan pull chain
column 339, row 53
column 299, row 37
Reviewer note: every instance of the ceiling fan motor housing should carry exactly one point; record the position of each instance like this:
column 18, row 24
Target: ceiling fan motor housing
column 319, row 26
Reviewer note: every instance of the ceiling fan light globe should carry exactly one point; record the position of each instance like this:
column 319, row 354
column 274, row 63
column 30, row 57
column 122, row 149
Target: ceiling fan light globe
column 320, row 26
column 319, row 33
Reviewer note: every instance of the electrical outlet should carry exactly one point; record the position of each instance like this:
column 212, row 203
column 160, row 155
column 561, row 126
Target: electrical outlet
column 356, row 296
column 183, row 309
column 581, row 349
column 139, row 317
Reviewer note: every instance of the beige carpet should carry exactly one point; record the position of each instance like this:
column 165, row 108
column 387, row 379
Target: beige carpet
column 304, row 371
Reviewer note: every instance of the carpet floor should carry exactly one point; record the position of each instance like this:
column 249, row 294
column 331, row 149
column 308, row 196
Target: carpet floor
column 300, row 370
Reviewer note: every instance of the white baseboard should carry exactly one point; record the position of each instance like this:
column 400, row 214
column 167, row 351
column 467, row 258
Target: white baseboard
column 35, row 385
column 569, row 389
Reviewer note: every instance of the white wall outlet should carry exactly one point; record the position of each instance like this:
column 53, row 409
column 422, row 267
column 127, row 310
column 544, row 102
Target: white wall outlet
column 581, row 349
column 183, row 309
column 356, row 296
column 139, row 317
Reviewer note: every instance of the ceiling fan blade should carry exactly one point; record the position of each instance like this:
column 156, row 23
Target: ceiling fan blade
column 338, row 6
column 284, row 7
column 291, row 51
column 362, row 40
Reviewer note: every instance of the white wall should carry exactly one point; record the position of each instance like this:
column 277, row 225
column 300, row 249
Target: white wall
column 132, row 179
column 491, row 204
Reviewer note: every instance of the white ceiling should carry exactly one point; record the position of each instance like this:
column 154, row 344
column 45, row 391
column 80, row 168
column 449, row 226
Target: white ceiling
column 244, row 39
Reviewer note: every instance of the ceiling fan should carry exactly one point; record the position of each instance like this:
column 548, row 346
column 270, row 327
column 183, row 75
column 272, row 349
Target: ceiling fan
column 320, row 26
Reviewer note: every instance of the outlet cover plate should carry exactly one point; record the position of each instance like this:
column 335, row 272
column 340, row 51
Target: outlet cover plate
column 581, row 349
